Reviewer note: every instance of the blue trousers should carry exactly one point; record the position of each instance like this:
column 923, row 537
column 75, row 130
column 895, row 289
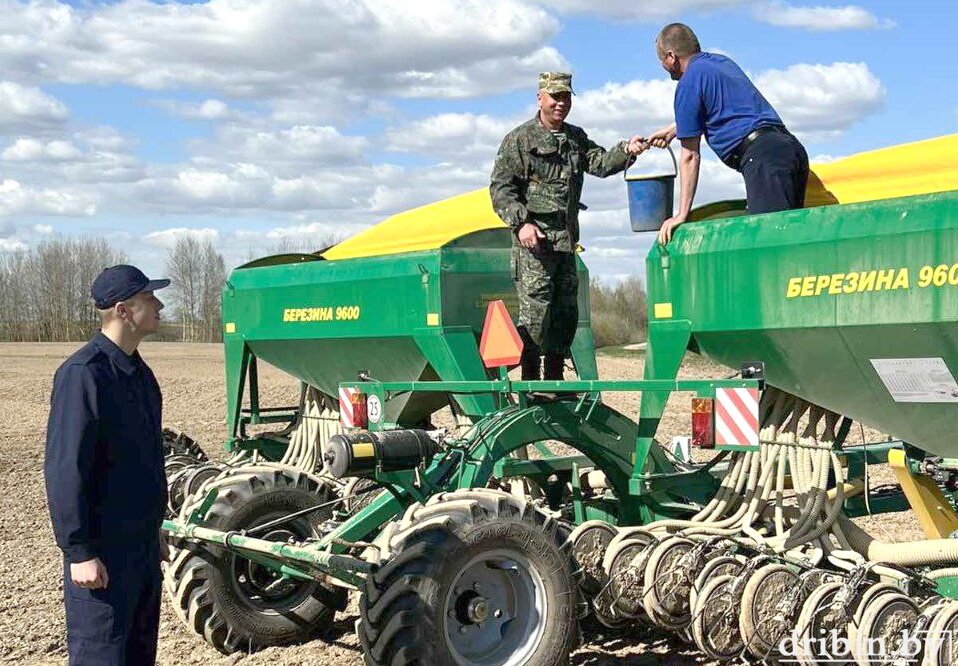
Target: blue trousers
column 775, row 168
column 118, row 625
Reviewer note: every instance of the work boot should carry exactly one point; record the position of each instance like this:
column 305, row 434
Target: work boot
column 530, row 364
column 553, row 366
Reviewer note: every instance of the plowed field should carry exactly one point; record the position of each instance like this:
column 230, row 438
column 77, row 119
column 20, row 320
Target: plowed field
column 191, row 376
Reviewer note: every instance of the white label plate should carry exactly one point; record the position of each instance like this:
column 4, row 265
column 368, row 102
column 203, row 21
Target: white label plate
column 917, row 379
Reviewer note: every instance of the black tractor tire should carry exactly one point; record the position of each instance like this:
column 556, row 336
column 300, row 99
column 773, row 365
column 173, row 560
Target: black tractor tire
column 417, row 608
column 187, row 481
column 236, row 604
column 360, row 492
column 176, row 443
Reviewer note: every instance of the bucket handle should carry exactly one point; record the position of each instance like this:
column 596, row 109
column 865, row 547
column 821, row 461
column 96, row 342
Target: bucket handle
column 675, row 165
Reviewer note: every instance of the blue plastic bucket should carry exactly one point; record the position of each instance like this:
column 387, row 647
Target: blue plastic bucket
column 651, row 198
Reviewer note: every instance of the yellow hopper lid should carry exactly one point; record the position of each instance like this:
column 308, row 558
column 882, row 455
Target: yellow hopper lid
column 423, row 228
column 922, row 167
column 908, row 169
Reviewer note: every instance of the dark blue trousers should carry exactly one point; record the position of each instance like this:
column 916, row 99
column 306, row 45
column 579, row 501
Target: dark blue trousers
column 775, row 168
column 116, row 626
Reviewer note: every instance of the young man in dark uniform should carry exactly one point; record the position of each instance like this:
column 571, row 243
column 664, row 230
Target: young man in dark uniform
column 714, row 97
column 105, row 483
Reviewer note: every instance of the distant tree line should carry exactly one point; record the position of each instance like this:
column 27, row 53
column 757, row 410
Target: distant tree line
column 45, row 292
column 197, row 275
column 619, row 316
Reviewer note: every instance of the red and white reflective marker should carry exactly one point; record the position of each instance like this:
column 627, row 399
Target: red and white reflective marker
column 736, row 417
column 349, row 410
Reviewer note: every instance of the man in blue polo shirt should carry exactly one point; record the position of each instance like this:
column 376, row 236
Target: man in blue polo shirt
column 714, row 97
column 106, row 488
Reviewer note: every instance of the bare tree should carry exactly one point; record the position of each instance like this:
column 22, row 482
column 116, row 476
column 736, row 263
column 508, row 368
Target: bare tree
column 184, row 266
column 295, row 245
column 45, row 291
column 89, row 259
column 214, row 277
column 197, row 272
column 14, row 287
column 618, row 312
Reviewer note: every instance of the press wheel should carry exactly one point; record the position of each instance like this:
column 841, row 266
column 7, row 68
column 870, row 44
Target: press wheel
column 886, row 620
column 588, row 544
column 941, row 642
column 759, row 624
column 715, row 620
column 667, row 585
column 625, row 579
column 816, row 622
column 870, row 593
column 720, row 565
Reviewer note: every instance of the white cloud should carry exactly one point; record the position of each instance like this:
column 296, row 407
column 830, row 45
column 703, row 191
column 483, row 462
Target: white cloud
column 11, row 245
column 612, row 252
column 475, row 79
column 821, row 101
column 618, row 110
column 400, row 189
column 167, row 238
column 210, row 109
column 609, row 114
column 720, row 51
column 35, row 150
column 639, row 9
column 453, row 135
column 817, row 101
column 28, row 109
column 321, row 176
column 825, row 158
column 87, row 157
column 309, row 235
column 336, row 103
column 245, row 186
column 268, row 49
column 291, row 148
column 19, row 199
column 849, row 17
column 44, row 229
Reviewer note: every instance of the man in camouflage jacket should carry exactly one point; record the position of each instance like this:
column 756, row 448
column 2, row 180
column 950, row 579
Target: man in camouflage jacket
column 536, row 186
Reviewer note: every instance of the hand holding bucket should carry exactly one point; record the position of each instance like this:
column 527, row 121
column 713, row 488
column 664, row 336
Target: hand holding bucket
column 651, row 198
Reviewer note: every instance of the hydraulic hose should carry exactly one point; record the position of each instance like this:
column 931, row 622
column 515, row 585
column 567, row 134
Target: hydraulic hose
column 833, row 507
column 910, row 554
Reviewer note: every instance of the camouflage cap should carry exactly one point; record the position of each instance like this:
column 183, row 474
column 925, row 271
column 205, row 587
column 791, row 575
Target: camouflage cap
column 555, row 82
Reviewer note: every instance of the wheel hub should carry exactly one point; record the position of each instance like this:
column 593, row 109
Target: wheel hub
column 269, row 583
column 471, row 608
column 265, row 587
column 478, row 610
column 497, row 610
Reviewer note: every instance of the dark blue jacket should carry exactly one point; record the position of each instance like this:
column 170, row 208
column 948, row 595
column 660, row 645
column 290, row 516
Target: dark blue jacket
column 104, row 458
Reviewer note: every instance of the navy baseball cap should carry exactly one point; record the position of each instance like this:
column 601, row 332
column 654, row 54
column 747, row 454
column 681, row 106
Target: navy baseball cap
column 118, row 283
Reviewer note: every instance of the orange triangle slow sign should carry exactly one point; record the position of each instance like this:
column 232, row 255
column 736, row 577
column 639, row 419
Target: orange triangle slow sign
column 500, row 343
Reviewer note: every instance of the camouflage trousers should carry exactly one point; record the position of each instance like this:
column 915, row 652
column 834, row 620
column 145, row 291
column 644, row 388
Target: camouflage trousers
column 547, row 284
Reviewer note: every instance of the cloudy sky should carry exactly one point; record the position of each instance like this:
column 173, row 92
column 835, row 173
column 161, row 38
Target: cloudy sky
column 251, row 121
